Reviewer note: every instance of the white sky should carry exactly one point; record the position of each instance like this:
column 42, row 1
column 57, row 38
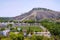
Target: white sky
column 11, row 8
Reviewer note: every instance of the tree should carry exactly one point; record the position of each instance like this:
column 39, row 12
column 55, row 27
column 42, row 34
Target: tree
column 18, row 36
column 9, row 25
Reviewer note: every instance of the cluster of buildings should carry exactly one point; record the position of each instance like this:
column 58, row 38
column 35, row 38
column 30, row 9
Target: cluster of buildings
column 6, row 32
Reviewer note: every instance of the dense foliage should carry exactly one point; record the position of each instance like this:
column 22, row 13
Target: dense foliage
column 4, row 19
column 29, row 21
column 20, row 36
column 53, row 27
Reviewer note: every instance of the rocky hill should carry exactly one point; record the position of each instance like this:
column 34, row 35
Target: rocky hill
column 38, row 14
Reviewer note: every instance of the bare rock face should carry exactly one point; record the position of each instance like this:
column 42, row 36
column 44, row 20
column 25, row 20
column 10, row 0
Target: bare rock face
column 38, row 14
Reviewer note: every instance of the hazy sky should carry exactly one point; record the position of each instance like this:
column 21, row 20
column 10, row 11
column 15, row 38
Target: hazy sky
column 11, row 8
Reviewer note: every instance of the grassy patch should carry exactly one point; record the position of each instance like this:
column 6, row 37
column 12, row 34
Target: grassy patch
column 32, row 28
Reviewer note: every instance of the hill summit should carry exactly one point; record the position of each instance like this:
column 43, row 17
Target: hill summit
column 38, row 14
